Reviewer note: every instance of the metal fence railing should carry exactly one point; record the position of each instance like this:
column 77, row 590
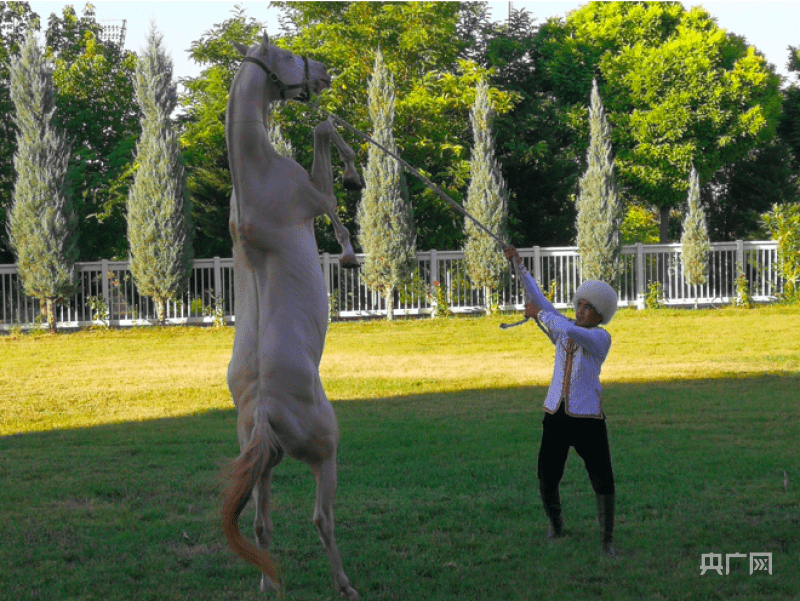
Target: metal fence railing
column 106, row 292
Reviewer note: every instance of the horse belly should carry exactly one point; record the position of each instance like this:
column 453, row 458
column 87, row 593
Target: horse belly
column 293, row 328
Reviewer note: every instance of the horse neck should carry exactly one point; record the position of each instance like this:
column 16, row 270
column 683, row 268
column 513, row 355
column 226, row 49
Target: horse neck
column 249, row 104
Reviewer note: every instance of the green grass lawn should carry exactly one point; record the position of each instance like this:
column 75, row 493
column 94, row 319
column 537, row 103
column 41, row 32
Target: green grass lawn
column 111, row 442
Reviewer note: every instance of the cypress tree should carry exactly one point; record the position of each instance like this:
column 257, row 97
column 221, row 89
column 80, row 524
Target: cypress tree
column 384, row 215
column 599, row 206
column 487, row 201
column 783, row 222
column 41, row 223
column 159, row 223
column 695, row 245
column 283, row 146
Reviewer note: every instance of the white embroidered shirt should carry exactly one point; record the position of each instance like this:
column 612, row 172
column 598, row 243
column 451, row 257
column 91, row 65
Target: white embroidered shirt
column 579, row 351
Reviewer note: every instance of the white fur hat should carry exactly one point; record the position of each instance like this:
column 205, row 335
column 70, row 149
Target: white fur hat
column 600, row 295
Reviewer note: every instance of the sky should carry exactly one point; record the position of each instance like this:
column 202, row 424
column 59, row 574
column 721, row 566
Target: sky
column 770, row 26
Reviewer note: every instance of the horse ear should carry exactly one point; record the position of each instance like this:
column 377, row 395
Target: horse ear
column 241, row 48
column 265, row 42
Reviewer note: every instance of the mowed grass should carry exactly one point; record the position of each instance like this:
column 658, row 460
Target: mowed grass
column 111, row 443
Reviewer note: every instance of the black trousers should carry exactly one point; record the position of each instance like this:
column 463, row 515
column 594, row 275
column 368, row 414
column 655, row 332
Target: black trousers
column 588, row 436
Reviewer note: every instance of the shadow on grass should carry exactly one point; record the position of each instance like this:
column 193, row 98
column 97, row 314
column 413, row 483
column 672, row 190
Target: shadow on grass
column 438, row 500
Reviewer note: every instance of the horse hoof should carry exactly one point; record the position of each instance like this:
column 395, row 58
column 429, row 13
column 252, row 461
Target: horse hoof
column 350, row 594
column 352, row 181
column 349, row 262
column 267, row 584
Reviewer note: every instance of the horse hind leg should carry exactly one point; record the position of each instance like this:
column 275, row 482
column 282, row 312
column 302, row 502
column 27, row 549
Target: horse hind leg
column 262, row 524
column 325, row 476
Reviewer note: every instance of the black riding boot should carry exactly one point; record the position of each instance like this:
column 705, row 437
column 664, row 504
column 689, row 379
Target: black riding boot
column 605, row 516
column 552, row 508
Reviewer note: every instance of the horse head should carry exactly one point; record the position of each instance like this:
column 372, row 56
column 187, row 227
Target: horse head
column 293, row 77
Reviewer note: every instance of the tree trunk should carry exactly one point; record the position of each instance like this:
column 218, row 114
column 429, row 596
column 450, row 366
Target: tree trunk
column 51, row 314
column 663, row 229
column 390, row 304
column 161, row 311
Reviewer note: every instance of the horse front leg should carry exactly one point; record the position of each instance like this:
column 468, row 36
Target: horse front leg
column 351, row 179
column 322, row 177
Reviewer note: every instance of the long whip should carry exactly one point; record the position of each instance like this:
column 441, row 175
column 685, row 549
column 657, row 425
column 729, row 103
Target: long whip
column 436, row 189
column 439, row 192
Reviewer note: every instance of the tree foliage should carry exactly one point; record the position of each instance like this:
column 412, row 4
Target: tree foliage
column 677, row 88
column 203, row 103
column 282, row 145
column 16, row 18
column 789, row 124
column 537, row 145
column 487, row 201
column 159, row 209
column 384, row 215
column 740, row 192
column 695, row 245
column 435, row 86
column 94, row 85
column 599, row 205
column 41, row 222
column 783, row 222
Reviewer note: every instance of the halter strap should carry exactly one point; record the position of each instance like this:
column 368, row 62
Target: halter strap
column 304, row 96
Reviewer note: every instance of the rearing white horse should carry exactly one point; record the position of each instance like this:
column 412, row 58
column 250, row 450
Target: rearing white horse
column 281, row 304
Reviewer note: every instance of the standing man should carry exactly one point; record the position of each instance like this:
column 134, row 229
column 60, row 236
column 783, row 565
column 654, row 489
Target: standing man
column 574, row 415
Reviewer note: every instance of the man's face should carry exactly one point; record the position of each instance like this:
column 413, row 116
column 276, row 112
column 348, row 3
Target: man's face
column 586, row 316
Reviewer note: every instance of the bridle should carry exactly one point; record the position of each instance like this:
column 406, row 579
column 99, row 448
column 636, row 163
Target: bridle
column 304, row 96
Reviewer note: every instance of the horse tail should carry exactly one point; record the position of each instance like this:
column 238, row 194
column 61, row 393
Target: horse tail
column 242, row 477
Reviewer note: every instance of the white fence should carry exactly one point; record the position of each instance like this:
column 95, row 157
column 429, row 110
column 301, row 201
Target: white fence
column 108, row 285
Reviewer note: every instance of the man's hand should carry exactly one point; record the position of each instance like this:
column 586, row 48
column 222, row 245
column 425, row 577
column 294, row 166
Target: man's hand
column 532, row 309
column 511, row 253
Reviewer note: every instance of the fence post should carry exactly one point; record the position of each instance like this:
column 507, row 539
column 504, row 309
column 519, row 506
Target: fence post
column 739, row 266
column 218, row 287
column 326, row 275
column 434, row 267
column 640, row 284
column 106, row 295
column 537, row 264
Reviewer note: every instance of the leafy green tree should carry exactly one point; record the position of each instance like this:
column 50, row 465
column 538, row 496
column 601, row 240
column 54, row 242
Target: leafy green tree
column 695, row 245
column 537, row 143
column 783, row 222
column 159, row 209
column 384, row 214
column 435, row 85
column 94, row 95
column 16, row 18
column 203, row 104
column 487, row 201
column 789, row 125
column 678, row 89
column 41, row 222
column 639, row 226
column 599, row 206
column 740, row 192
